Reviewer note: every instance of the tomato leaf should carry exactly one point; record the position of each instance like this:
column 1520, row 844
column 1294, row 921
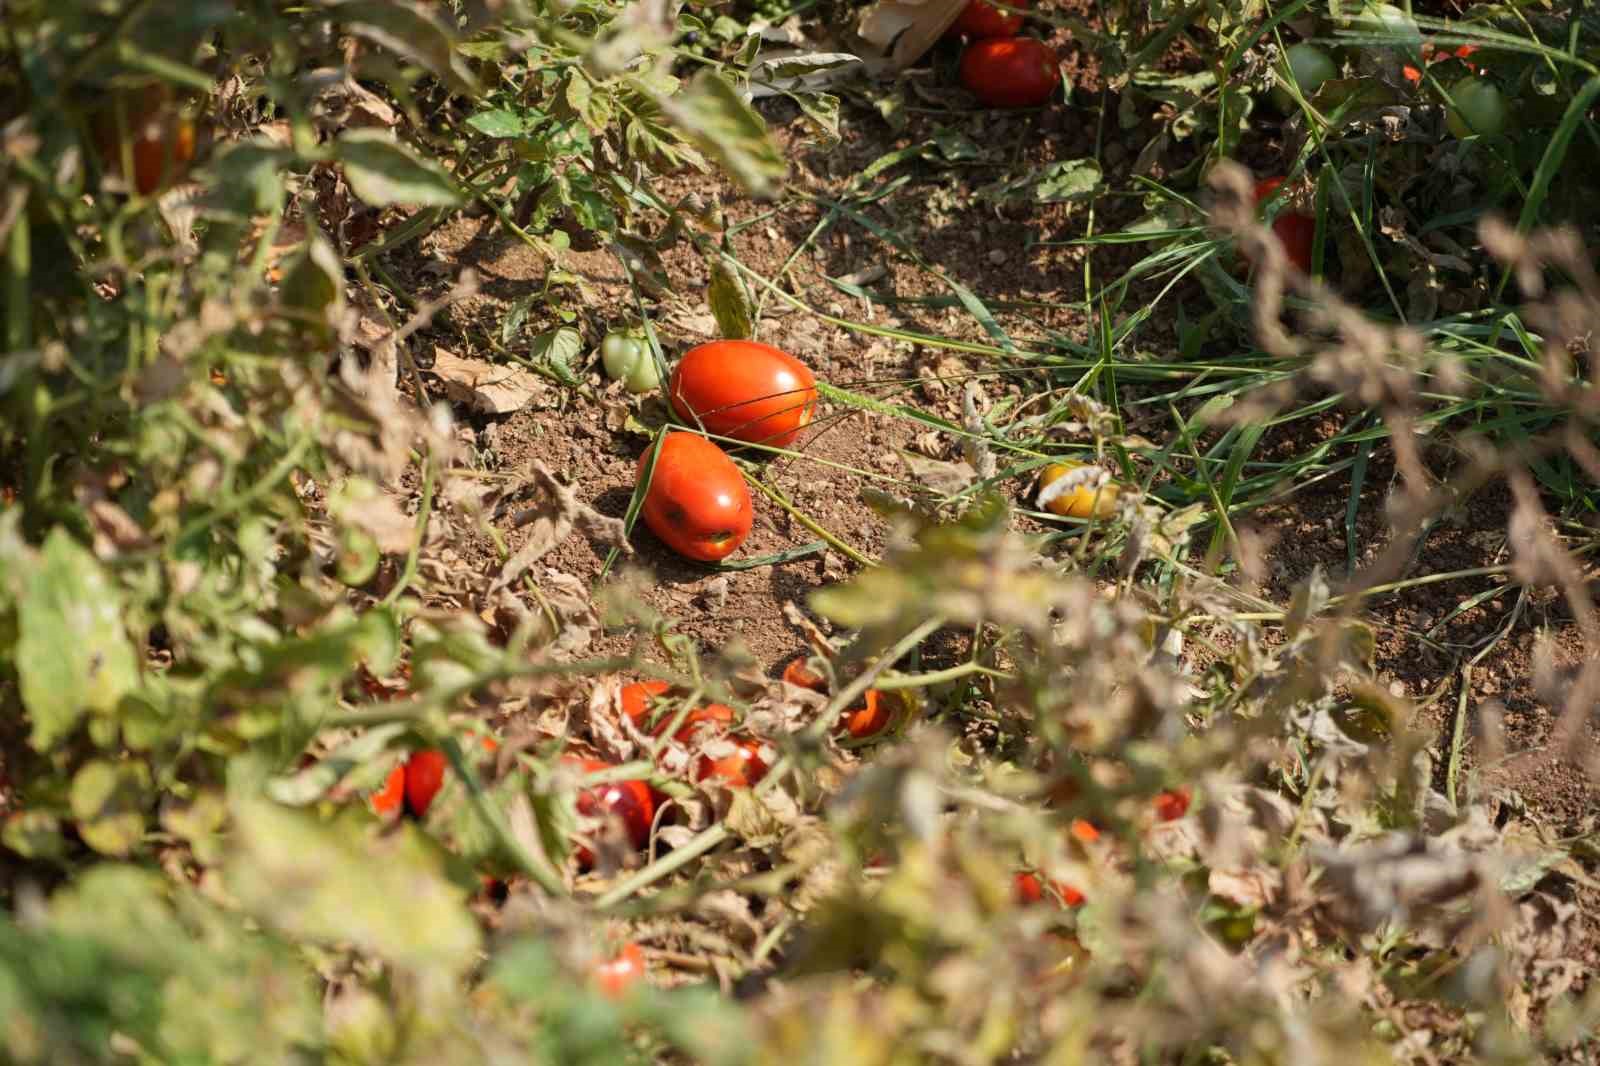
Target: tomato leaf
column 730, row 302
column 108, row 802
column 381, row 172
column 72, row 653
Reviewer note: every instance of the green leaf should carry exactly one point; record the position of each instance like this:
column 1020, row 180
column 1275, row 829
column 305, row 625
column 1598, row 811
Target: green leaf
column 73, row 655
column 557, row 348
column 498, row 123
column 314, row 281
column 717, row 120
column 404, row 30
column 108, row 801
column 34, row 834
column 347, row 882
column 730, row 302
column 382, row 172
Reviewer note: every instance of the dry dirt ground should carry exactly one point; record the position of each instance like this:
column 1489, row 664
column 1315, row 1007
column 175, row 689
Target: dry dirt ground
column 1014, row 258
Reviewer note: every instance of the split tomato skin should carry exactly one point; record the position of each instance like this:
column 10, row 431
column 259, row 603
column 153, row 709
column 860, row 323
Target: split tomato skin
column 1010, row 71
column 745, row 390
column 1085, row 501
column 980, row 20
column 697, row 502
column 1297, row 231
column 630, row 801
column 615, row 976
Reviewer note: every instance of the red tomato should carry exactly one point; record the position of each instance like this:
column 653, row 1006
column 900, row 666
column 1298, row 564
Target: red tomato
column 1173, row 804
column 637, row 697
column 390, row 799
column 979, row 20
column 1028, row 889
column 745, row 390
column 424, row 777
column 866, row 719
column 1084, row 831
column 697, row 502
column 742, row 768
column 1011, row 71
column 615, row 976
column 628, row 800
column 161, row 141
column 1296, row 231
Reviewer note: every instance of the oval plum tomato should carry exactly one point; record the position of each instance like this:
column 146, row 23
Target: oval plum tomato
column 1099, row 501
column 798, row 674
column 637, row 697
column 630, row 801
column 1173, row 804
column 1028, row 889
column 697, row 502
column 979, row 20
column 1010, row 71
column 1479, row 108
column 424, row 777
column 1295, row 230
column 745, row 390
column 616, row 975
column 391, row 798
column 741, row 768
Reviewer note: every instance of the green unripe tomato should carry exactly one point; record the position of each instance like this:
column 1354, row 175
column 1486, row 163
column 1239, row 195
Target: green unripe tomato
column 1389, row 20
column 627, row 359
column 1309, row 66
column 1479, row 108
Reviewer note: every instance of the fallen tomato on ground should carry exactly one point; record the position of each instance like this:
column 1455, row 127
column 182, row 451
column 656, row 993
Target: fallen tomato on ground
column 1308, row 66
column 1029, row 888
column 630, row 801
column 1011, row 71
column 161, row 141
column 865, row 720
column 980, row 20
column 424, row 777
column 1082, row 501
column 745, row 390
column 1478, row 108
column 1295, row 230
column 391, row 798
column 616, row 975
column 696, row 502
column 628, row 359
column 740, row 768
column 1172, row 804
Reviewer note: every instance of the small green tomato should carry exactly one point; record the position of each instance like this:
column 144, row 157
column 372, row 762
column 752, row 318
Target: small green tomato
column 1309, row 66
column 1479, row 108
column 627, row 359
column 1390, row 20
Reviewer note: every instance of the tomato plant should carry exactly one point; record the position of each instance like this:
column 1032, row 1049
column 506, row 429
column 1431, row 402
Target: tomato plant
column 980, row 20
column 696, row 502
column 745, row 390
column 1309, row 66
column 1082, row 501
column 1296, row 230
column 616, row 975
column 627, row 358
column 1478, row 108
column 1011, row 71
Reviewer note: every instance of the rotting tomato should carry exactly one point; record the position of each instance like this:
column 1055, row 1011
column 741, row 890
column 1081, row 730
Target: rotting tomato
column 863, row 721
column 616, row 975
column 980, row 20
column 1296, row 230
column 390, row 800
column 697, row 502
column 1011, row 71
column 1028, row 888
column 1478, row 108
column 1173, row 804
column 1083, row 501
column 630, row 801
column 745, row 390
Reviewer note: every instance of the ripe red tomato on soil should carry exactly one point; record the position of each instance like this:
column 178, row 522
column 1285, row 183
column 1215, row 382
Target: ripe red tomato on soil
column 628, row 800
column 616, row 975
column 1173, row 804
column 1010, row 71
column 1296, row 231
column 745, row 390
column 867, row 719
column 636, row 698
column 979, row 20
column 391, row 798
column 161, row 141
column 424, row 777
column 1028, row 888
column 697, row 502
column 740, row 768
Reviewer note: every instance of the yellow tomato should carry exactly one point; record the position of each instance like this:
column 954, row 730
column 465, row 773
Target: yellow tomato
column 1083, row 501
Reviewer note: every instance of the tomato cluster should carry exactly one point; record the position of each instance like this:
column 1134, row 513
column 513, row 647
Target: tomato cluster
column 741, row 767
column 696, row 500
column 411, row 787
column 864, row 721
